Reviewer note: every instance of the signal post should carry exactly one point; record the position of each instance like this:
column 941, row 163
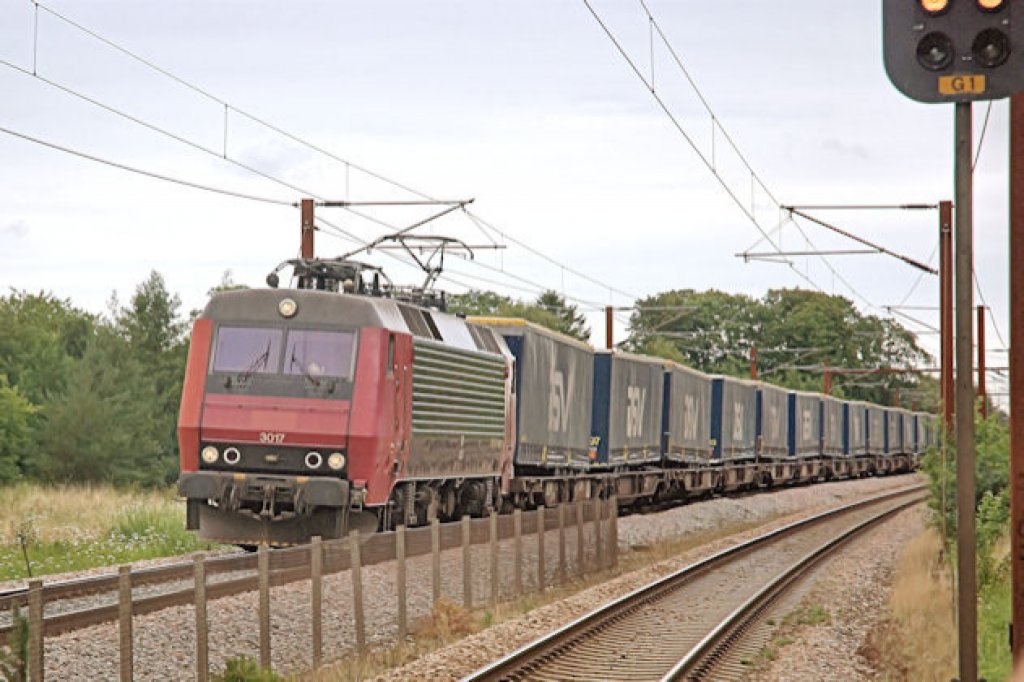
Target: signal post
column 960, row 51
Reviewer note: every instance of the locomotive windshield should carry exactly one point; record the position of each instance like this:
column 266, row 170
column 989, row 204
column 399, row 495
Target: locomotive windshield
column 309, row 353
column 247, row 349
column 319, row 354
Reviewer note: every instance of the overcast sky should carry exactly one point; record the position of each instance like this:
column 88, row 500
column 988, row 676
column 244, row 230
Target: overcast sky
column 525, row 106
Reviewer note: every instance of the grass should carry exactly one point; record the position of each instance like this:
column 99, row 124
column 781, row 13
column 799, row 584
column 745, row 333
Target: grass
column 917, row 641
column 994, row 613
column 70, row 528
column 808, row 614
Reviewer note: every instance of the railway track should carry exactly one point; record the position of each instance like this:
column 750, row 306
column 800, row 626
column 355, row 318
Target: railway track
column 693, row 623
column 83, row 602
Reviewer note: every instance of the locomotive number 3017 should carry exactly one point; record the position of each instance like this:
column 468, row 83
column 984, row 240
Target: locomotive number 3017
column 271, row 438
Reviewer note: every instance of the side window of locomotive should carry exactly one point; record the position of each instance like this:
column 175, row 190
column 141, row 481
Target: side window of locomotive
column 390, row 369
column 320, row 353
column 246, row 349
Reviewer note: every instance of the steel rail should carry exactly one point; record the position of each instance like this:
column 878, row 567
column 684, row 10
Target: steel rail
column 516, row 664
column 701, row 658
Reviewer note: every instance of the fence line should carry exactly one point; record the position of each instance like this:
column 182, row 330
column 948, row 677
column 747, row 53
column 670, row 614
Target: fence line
column 312, row 561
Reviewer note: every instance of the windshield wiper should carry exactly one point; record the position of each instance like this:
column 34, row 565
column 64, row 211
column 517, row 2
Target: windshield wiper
column 305, row 369
column 258, row 363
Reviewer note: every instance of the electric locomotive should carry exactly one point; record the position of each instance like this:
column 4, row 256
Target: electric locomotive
column 314, row 410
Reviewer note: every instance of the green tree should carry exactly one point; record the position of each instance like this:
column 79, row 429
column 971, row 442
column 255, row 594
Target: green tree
column 42, row 338
column 797, row 334
column 549, row 310
column 105, row 426
column 15, row 429
column 155, row 336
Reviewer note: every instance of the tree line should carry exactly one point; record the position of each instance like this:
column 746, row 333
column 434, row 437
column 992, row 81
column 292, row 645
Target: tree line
column 94, row 398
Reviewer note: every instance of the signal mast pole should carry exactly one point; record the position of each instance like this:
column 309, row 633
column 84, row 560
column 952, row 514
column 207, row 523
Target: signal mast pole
column 307, row 227
column 1017, row 377
column 967, row 622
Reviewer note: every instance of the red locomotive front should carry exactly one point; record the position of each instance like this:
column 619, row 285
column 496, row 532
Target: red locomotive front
column 299, row 418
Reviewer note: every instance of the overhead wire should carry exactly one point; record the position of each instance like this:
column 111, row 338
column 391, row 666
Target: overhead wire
column 299, row 140
column 716, row 124
column 141, row 171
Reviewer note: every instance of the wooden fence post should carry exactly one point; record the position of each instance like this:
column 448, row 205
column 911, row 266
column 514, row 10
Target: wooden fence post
column 581, row 563
column 494, row 559
column 540, row 548
column 124, row 624
column 435, row 555
column 35, row 631
column 467, row 565
column 613, row 541
column 316, row 589
column 400, row 583
column 263, row 564
column 357, row 592
column 563, row 571
column 517, row 532
column 597, row 505
column 202, row 625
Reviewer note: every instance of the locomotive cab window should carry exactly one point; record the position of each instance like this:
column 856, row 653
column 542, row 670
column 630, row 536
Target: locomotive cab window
column 390, row 369
column 247, row 349
column 320, row 353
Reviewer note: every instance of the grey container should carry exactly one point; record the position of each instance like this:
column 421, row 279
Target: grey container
column 876, row 430
column 855, row 428
column 686, row 415
column 772, row 421
column 733, row 418
column 627, row 408
column 893, row 431
column 833, row 427
column 804, row 424
column 554, row 391
column 909, row 441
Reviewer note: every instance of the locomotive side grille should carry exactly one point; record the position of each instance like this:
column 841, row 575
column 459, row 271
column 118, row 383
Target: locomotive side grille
column 456, row 392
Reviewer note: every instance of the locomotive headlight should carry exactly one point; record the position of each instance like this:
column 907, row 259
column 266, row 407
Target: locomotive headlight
column 232, row 455
column 314, row 460
column 210, row 454
column 336, row 461
column 287, row 307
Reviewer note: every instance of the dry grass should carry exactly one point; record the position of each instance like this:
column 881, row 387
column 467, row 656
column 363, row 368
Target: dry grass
column 917, row 641
column 72, row 512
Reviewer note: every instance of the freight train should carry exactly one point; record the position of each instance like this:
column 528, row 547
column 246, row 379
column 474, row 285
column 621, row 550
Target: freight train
column 315, row 410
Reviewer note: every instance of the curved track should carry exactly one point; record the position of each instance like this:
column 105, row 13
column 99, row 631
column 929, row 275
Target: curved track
column 680, row 626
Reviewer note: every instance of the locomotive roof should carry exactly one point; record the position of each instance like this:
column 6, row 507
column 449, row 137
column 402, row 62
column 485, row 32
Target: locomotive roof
column 348, row 310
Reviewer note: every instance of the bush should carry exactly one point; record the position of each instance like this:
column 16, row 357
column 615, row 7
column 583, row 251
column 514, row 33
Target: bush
column 245, row 669
column 14, row 656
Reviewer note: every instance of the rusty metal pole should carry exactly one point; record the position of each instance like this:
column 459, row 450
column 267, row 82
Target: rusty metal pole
column 307, row 228
column 827, row 381
column 946, row 310
column 967, row 622
column 981, row 362
column 609, row 336
column 753, row 363
column 1017, row 376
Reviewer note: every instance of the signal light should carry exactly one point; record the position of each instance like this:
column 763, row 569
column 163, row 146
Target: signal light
column 938, row 6
column 991, row 5
column 954, row 50
column 991, row 48
column 935, row 51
